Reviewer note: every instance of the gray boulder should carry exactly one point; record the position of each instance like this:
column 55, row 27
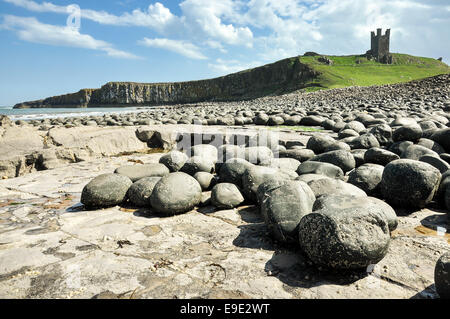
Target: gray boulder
column 258, row 154
column 358, row 155
column 206, row 180
column 174, row 160
column 442, row 276
column 300, row 155
column 345, row 235
column 311, row 177
column 409, row 183
column 407, row 133
column 365, row 141
column 312, row 120
column 176, row 193
column 136, row 172
column 432, row 145
column 437, row 162
column 105, row 190
column 347, row 133
column 415, row 152
column 233, row 170
column 326, row 169
column 379, row 156
column 283, row 204
column 254, row 176
column 399, row 147
column 282, row 163
column 382, row 132
column 442, row 137
column 318, row 143
column 226, row 195
column 368, row 178
column 139, row 193
column 198, row 164
column 370, row 204
column 326, row 186
column 355, row 126
column 447, row 198
column 342, row 159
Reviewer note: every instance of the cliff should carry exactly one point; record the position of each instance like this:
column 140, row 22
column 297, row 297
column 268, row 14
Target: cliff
column 279, row 77
column 79, row 99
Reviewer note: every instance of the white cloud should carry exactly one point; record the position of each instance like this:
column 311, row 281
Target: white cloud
column 31, row 30
column 269, row 30
column 37, row 7
column 156, row 16
column 184, row 48
column 207, row 17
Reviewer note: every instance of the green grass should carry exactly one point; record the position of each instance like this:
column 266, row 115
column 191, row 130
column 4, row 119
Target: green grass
column 355, row 70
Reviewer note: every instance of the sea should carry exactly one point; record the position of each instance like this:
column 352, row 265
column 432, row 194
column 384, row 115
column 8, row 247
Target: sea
column 51, row 113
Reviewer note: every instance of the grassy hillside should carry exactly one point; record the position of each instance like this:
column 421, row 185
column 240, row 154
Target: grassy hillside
column 356, row 70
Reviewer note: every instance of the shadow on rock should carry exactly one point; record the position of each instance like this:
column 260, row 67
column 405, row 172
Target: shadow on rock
column 288, row 263
column 439, row 221
column 428, row 293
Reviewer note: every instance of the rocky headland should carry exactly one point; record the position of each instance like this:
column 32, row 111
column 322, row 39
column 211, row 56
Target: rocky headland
column 281, row 76
column 341, row 193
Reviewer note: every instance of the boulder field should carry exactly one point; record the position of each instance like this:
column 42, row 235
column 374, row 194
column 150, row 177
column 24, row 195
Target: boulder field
column 334, row 179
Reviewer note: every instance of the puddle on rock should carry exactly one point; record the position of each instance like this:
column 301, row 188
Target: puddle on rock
column 431, row 232
column 422, row 230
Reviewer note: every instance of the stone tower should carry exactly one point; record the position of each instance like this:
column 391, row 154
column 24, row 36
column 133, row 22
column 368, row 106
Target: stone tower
column 380, row 47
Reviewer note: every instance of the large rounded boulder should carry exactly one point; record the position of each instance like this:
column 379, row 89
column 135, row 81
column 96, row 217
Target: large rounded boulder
column 136, row 172
column 254, row 176
column 350, row 236
column 442, row 137
column 105, row 191
column 318, row 143
column 176, row 193
column 326, row 186
column 283, row 204
column 370, row 204
column 322, row 168
column 139, row 193
column 226, row 195
column 342, row 159
column 442, row 276
column 233, row 170
column 409, row 183
column 174, row 160
column 367, row 177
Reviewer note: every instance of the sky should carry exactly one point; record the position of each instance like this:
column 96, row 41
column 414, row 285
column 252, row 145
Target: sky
column 56, row 47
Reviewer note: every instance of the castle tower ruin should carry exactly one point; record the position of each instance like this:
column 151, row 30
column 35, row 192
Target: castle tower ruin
column 380, row 47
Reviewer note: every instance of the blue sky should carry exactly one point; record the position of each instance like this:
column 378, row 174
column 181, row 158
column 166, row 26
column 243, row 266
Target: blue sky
column 43, row 54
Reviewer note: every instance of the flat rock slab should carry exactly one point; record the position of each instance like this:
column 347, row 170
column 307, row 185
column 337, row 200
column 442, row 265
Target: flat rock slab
column 51, row 248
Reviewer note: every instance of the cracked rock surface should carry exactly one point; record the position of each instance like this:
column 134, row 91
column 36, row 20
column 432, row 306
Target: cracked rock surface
column 50, row 247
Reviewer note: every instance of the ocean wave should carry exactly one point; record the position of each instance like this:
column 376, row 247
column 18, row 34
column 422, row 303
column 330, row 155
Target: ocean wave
column 41, row 114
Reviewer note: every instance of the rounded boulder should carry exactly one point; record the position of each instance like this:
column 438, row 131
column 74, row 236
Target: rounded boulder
column 105, row 191
column 349, row 236
column 176, row 193
column 283, row 205
column 409, row 183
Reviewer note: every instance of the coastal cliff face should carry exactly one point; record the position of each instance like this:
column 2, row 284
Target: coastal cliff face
column 79, row 99
column 282, row 76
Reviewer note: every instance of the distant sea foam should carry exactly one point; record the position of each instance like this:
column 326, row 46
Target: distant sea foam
column 52, row 113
